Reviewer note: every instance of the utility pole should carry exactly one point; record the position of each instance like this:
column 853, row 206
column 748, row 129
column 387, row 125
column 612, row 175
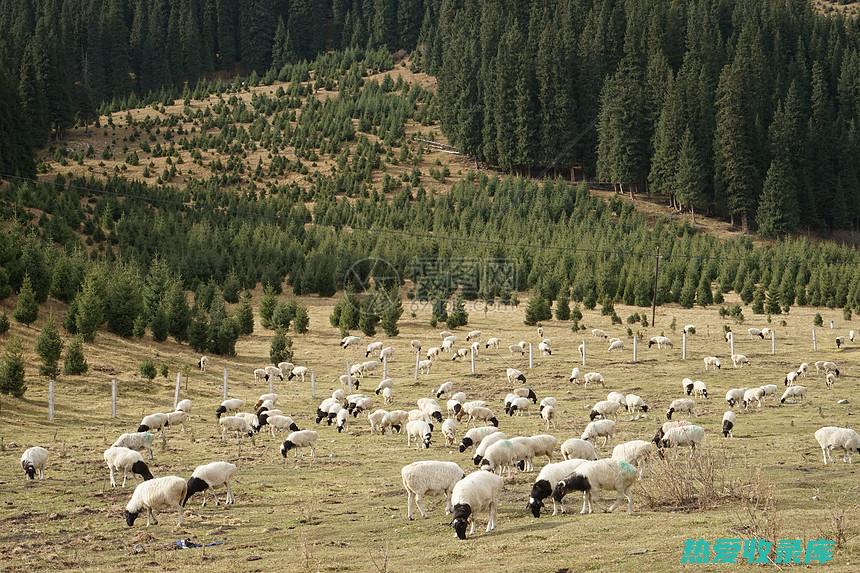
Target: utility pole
column 654, row 294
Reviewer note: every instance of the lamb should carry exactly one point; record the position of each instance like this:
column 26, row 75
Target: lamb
column 793, row 392
column 729, row 419
column 605, row 409
column 184, row 406
column 279, row 422
column 689, row 329
column 152, row 422
column 373, row 348
column 635, row 453
column 753, row 332
column 137, row 441
column 599, row 429
column 519, row 405
column 594, row 378
column 444, row 388
column 422, row 477
column 474, row 436
column 34, row 459
column 543, row 485
column 211, row 475
column 519, row 348
column 615, row 346
column 481, row 448
column 383, row 384
column 431, row 408
column 548, row 401
column 574, row 376
column 790, row 378
column 386, row 353
column 615, row 475
column 635, row 404
column 125, row 460
column 830, row 367
column 735, row 396
column 515, row 375
column 201, row 364
column 267, row 400
column 340, row 420
column 476, row 492
column 416, row 345
column 433, row 352
column 598, row 333
column 681, row 405
column 689, row 435
column 482, row 414
column 230, row 405
column 300, row 439
column 285, row 368
column 395, row 420
column 492, row 343
column 424, row 366
column 740, row 360
column 302, row 371
column 660, row 341
column 449, row 430
column 177, row 418
column 375, row 418
column 473, row 335
column 712, row 362
column 700, row 389
column 461, row 353
column 753, row 394
column 468, row 406
column 576, row 448
column 348, row 341
column 687, row 384
column 386, row 395
column 501, row 455
column 421, row 431
column 447, row 345
column 164, row 493
column 544, row 348
column 238, row 424
column 830, row 437
column 548, row 414
column 454, row 408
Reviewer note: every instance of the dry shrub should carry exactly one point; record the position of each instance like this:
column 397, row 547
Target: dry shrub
column 838, row 513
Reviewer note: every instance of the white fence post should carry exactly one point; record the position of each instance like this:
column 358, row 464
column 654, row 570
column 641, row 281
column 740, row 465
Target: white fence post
column 271, row 383
column 473, row 360
column 583, row 352
column 313, row 385
column 814, row 344
column 417, row 358
column 50, row 400
column 531, row 357
column 773, row 342
column 731, row 343
column 385, row 367
column 225, row 384
column 635, row 348
column 683, row 345
column 113, row 399
column 176, row 391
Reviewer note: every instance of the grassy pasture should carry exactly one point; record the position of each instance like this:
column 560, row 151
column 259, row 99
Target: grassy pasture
column 346, row 511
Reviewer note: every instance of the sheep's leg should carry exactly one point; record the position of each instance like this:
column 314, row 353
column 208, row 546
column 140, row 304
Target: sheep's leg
column 313, row 453
column 491, row 523
column 629, row 495
column 824, row 453
column 555, row 507
column 151, row 514
column 230, row 498
column 605, row 441
column 179, row 522
column 472, row 529
column 112, row 479
column 418, row 498
column 150, row 452
column 584, row 503
column 448, row 508
column 124, row 476
column 409, row 499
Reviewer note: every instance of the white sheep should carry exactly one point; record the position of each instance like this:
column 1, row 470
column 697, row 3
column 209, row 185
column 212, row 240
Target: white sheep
column 753, row 395
column 474, row 436
column 482, row 414
column 661, row 431
column 177, row 418
column 790, row 378
column 420, row 478
column 753, row 332
column 735, row 396
column 635, row 404
column 416, row 345
column 830, row 437
column 184, row 406
column 386, row 353
column 700, row 389
column 208, row 476
column 300, row 439
column 660, row 341
column 577, row 448
column 358, row 404
column 545, row 348
column 519, row 348
column 840, row 342
column 574, row 375
column 375, row 418
column 605, row 409
column 373, row 348
column 599, row 429
column 796, row 391
column 616, row 397
column 851, row 335
column 616, row 475
column 688, row 435
column 729, row 419
column 803, row 369
column 488, row 441
column 238, row 424
column 474, row 493
column 687, row 385
column 548, row 415
column 162, row 494
column 34, row 459
column 383, row 384
column 444, row 388
column 138, row 441
column 766, row 332
column 473, row 335
column 448, row 345
column 202, row 363
column 739, row 360
column 524, row 392
column 830, row 379
column 230, row 405
column 260, row 373
column 493, row 342
column 152, row 422
column 421, row 431
column 461, row 353
column 689, row 329
column 424, row 366
column 302, row 371
column 272, row 371
column 514, row 375
column 450, row 338
column 348, row 341
column 459, row 396
column 449, row 430
column 635, row 452
column 541, row 445
column 711, row 362
column 594, row 378
column 125, row 460
column 278, row 422
column 454, row 408
column 430, row 407
column 395, row 420
column 615, row 346
column 340, row 420
column 769, row 390
column 599, row 333
column 519, row 405
column 468, row 406
column 830, row 367
column 503, row 454
column 387, row 395
column 543, row 485
column 681, row 405
column 433, row 352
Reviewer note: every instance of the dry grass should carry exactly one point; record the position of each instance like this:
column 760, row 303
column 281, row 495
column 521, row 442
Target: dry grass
column 345, row 512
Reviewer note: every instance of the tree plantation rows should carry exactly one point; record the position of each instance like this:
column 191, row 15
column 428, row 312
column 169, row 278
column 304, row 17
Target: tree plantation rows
column 745, row 109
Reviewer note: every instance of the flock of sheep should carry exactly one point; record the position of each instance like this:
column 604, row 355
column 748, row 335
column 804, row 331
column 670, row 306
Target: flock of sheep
column 497, row 455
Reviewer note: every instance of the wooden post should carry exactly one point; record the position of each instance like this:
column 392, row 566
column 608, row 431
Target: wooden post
column 583, row 352
column 635, row 348
column 417, row 358
column 313, row 385
column 654, row 294
column 176, row 392
column 113, row 398
column 531, row 357
column 225, row 384
column 50, row 400
column 773, row 342
column 683, row 345
column 473, row 360
column 385, row 367
column 271, row 383
column 814, row 345
column 731, row 343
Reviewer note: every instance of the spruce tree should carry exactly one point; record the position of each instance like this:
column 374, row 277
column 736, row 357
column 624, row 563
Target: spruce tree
column 562, row 306
column 302, row 319
column 231, row 287
column 281, row 349
column 267, row 305
column 12, row 370
column 26, row 309
column 245, row 314
column 4, row 323
column 776, row 214
column 689, row 179
column 49, row 347
column 392, row 313
column 538, row 309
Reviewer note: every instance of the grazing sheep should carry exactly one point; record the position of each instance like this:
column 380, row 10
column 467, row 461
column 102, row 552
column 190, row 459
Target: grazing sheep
column 474, row 436
column 605, row 409
column 634, row 405
column 272, row 371
column 689, row 329
column 279, row 422
column 230, row 405
column 548, row 414
column 616, row 475
column 448, row 345
column 421, row 431
column 152, row 422
column 712, row 362
column 358, row 403
column 729, row 419
column 739, row 360
column 514, row 375
column 526, row 393
column 793, row 392
column 790, row 378
column 519, row 405
column 422, row 477
column 373, row 348
column 803, row 369
column 635, row 453
column 348, row 341
column 177, row 418
column 616, row 397
column 184, row 406
column 493, row 342
column 424, row 366
column 681, row 405
column 476, row 492
column 830, row 437
column 753, row 394
column 454, row 407
column 687, row 384
column 386, row 395
column 444, row 388
column 700, row 389
column 449, row 430
column 395, row 420
column 461, row 353
column 574, row 376
column 302, row 371
column 383, row 384
column 473, row 335
column 544, row 348
column 615, row 346
column 340, row 420
column 598, row 333
column 766, row 332
column 201, row 364
column 661, row 431
column 300, row 439
column 830, row 379
column 375, row 418
column 468, row 406
column 577, row 448
column 660, row 341
column 162, row 494
column 753, row 332
column 542, row 488
column 599, row 429
column 137, row 441
column 840, row 342
column 482, row 414
column 688, row 435
column 238, row 424
column 459, row 396
column 541, row 445
column 260, row 373
column 488, row 441
column 517, row 349
column 735, row 396
column 594, row 378
column 211, row 475
column 386, row 353
column 125, row 460
column 272, row 399
column 830, row 367
column 416, row 345
column 503, row 454
column 34, row 459
column 769, row 390
column 349, row 381
column 431, row 408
